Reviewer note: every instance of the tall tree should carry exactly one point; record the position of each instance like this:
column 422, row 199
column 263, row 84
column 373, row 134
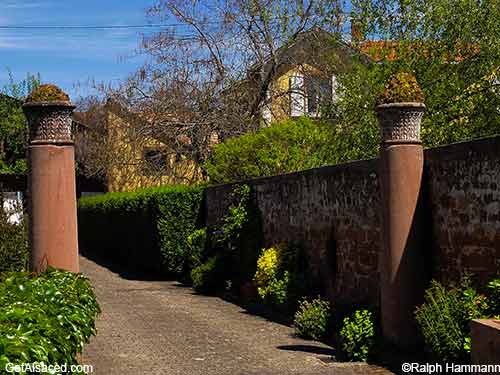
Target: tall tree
column 453, row 48
column 13, row 126
column 209, row 74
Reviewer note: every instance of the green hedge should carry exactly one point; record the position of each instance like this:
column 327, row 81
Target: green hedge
column 146, row 228
column 45, row 318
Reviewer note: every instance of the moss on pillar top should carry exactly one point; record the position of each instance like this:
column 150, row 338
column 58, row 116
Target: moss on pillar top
column 47, row 93
column 401, row 88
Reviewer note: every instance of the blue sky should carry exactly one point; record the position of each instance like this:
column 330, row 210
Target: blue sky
column 66, row 57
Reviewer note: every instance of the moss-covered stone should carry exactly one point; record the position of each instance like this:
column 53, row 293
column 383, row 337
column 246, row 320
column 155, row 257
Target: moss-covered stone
column 47, row 93
column 400, row 88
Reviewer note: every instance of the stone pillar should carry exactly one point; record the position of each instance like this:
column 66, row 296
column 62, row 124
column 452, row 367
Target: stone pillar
column 51, row 185
column 402, row 268
column 485, row 336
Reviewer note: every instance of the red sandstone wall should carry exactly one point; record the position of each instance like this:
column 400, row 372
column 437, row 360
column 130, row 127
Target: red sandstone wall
column 332, row 211
column 464, row 200
column 335, row 212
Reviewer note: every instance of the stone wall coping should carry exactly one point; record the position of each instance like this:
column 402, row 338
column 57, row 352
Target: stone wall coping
column 367, row 166
column 453, row 151
column 492, row 323
column 461, row 150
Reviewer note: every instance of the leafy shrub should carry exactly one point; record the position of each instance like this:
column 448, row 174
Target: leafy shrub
column 267, row 268
column 14, row 250
column 146, row 228
column 208, row 277
column 46, row 318
column 236, row 219
column 493, row 295
column 238, row 240
column 284, row 147
column 357, row 335
column 444, row 319
column 282, row 276
column 177, row 214
column 311, row 319
column 401, row 87
column 272, row 284
column 196, row 244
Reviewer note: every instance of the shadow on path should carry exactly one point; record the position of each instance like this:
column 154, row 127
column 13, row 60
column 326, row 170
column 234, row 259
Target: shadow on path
column 126, row 271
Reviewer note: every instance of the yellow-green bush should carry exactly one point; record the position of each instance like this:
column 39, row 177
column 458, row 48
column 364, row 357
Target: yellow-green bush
column 267, row 267
column 357, row 336
column 271, row 279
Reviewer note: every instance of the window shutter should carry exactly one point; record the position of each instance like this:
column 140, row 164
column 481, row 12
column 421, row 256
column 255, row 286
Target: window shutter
column 297, row 99
column 266, row 109
column 335, row 89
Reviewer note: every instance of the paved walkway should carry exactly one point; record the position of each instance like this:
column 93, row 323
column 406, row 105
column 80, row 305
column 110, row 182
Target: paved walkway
column 163, row 328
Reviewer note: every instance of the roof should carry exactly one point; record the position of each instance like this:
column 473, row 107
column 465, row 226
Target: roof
column 379, row 50
column 310, row 43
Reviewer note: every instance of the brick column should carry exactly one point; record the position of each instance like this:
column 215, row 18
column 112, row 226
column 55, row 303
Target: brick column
column 402, row 262
column 51, row 186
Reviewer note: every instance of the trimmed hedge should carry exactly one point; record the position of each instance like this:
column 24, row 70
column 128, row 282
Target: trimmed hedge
column 45, row 318
column 146, row 228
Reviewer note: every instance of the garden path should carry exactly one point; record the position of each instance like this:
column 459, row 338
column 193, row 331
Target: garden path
column 161, row 327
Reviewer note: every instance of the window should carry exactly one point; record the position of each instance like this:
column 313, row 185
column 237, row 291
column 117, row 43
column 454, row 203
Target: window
column 297, row 97
column 308, row 94
column 319, row 92
column 154, row 162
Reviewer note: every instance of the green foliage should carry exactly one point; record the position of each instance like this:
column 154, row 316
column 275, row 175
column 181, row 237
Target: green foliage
column 493, row 295
column 46, row 318
column 284, row 147
column 401, row 87
column 311, row 319
column 47, row 93
column 230, row 251
column 236, row 219
column 272, row 284
column 357, row 335
column 13, row 127
column 452, row 47
column 177, row 215
column 444, row 319
column 147, row 228
column 208, row 277
column 282, row 276
column 238, row 240
column 14, row 251
column 196, row 248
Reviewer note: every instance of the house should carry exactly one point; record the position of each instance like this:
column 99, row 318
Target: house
column 304, row 75
column 129, row 152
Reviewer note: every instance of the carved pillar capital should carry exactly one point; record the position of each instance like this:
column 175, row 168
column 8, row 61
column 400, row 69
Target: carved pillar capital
column 50, row 122
column 400, row 122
